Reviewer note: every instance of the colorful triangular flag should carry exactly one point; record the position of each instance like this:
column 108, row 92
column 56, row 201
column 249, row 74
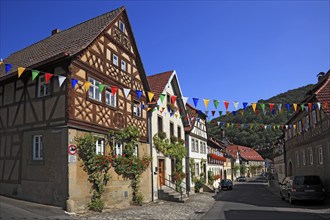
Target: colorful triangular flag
column 126, row 91
column 184, row 100
column 60, row 79
column 87, row 85
column 138, row 93
column 162, row 97
column 48, row 76
column 101, row 87
column 150, row 96
column 74, row 82
column 35, row 73
column 216, row 103
column 206, row 102
column 7, row 67
column 20, row 70
column 114, row 90
column 195, row 101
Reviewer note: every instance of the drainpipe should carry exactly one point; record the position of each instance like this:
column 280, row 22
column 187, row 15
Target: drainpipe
column 151, row 154
column 188, row 165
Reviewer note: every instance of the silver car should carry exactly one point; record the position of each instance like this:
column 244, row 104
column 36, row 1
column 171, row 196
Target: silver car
column 302, row 188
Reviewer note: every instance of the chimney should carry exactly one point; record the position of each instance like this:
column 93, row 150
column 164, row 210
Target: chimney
column 55, row 31
column 320, row 76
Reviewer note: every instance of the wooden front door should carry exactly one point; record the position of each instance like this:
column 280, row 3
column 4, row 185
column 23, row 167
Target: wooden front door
column 161, row 172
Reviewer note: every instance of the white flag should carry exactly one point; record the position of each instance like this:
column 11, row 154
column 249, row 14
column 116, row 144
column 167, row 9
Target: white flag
column 319, row 105
column 61, row 79
column 126, row 92
column 184, row 99
column 236, row 105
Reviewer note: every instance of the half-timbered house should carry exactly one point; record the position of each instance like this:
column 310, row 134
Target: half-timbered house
column 40, row 118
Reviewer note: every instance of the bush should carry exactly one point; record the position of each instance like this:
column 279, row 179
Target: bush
column 198, row 185
column 139, row 199
column 96, row 205
column 162, row 135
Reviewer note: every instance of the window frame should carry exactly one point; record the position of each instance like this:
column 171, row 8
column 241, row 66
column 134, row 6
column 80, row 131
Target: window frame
column 40, row 150
column 99, row 147
column 115, row 59
column 307, row 122
column 46, row 87
column 320, row 154
column 314, row 116
column 94, row 87
column 121, row 26
column 118, row 148
column 297, row 158
column 137, row 108
column 310, row 156
column 160, row 124
column 125, row 65
column 192, row 145
column 108, row 92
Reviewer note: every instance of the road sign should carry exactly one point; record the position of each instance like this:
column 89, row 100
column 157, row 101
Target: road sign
column 72, row 149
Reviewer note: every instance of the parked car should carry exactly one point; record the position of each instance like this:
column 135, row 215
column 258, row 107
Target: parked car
column 302, row 188
column 226, row 184
column 241, row 179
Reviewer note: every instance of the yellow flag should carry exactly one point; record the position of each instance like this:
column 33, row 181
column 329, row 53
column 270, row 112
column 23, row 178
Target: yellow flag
column 242, row 113
column 148, row 109
column 150, row 96
column 20, row 70
column 295, row 106
column 206, row 102
column 1, row 62
column 254, row 105
column 87, row 85
column 176, row 115
column 294, row 126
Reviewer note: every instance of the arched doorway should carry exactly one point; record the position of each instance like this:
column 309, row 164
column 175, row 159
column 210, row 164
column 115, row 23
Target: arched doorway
column 290, row 169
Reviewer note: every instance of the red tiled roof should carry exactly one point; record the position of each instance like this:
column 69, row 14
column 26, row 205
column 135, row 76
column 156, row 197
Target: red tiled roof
column 323, row 94
column 158, row 82
column 69, row 42
column 216, row 157
column 245, row 152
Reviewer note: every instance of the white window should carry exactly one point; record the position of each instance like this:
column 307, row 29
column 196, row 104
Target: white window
column 123, row 65
column 303, row 157
column 197, row 169
column 109, row 98
column 320, row 153
column 197, row 147
column 297, row 158
column 118, row 148
column 37, row 147
column 310, row 153
column 201, row 147
column 43, row 88
column 314, row 117
column 307, row 123
column 192, row 144
column 135, row 153
column 299, row 127
column 100, row 146
column 121, row 26
column 115, row 59
column 94, row 91
column 137, row 108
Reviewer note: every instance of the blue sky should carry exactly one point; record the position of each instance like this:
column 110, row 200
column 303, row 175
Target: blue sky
column 226, row 50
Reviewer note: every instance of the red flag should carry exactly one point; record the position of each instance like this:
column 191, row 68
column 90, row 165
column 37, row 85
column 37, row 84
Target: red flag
column 257, row 112
column 226, row 104
column 47, row 77
column 325, row 105
column 113, row 89
column 173, row 99
column 310, row 105
column 271, row 106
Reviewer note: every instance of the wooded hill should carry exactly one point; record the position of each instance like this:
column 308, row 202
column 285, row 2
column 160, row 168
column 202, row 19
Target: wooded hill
column 255, row 135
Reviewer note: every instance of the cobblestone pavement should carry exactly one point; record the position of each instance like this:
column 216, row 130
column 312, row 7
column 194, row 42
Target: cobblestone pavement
column 194, row 208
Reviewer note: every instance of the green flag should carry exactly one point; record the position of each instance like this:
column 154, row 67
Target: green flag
column 101, row 87
column 162, row 96
column 35, row 73
column 216, row 103
column 262, row 106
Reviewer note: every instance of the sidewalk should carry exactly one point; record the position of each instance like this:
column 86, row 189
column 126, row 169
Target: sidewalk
column 194, row 208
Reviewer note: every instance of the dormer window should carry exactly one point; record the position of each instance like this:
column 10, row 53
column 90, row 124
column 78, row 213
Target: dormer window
column 121, row 26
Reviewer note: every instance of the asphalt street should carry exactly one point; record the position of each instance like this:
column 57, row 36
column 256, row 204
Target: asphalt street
column 255, row 201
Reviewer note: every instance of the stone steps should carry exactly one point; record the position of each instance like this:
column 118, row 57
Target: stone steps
column 168, row 194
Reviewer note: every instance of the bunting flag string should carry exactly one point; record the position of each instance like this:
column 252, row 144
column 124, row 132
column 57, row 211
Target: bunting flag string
column 114, row 89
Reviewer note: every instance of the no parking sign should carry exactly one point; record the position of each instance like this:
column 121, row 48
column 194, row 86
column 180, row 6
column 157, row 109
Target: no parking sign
column 72, row 149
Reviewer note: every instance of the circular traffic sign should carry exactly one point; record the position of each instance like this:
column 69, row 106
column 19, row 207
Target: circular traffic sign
column 72, row 149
